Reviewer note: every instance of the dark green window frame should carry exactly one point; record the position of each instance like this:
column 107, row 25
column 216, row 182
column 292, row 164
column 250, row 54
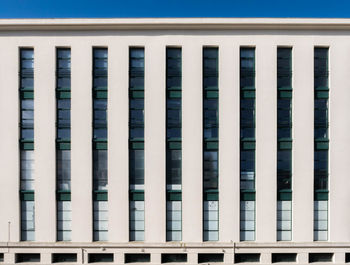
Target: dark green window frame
column 247, row 143
column 321, row 156
column 284, row 123
column 284, row 69
column 210, row 118
column 100, row 154
column 247, row 69
column 100, row 84
column 136, row 68
column 26, row 89
column 26, row 69
column 136, row 113
column 247, row 117
column 210, row 143
column 63, row 95
column 26, row 93
column 136, row 141
column 63, row 144
column 174, row 142
column 321, row 144
column 100, row 136
column 63, row 70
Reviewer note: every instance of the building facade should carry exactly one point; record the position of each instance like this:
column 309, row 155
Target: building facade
column 174, row 141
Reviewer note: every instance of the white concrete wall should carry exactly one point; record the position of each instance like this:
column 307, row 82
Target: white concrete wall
column 118, row 142
column 303, row 142
column 192, row 44
column 44, row 142
column 81, row 142
column 229, row 143
column 192, row 137
column 155, row 142
column 9, row 150
column 266, row 141
column 339, row 148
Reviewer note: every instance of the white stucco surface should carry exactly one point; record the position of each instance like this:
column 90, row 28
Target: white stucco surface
column 81, row 35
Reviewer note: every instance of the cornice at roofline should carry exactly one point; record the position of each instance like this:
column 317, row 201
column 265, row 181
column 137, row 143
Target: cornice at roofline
column 174, row 24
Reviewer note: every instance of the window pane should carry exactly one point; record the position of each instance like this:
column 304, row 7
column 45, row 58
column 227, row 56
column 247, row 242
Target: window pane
column 173, row 167
column 63, row 53
column 100, row 169
column 284, row 160
column 137, row 82
column 136, row 133
column 284, row 132
column 210, row 168
column 136, row 53
column 100, row 104
column 27, row 104
column 27, row 54
column 136, row 166
column 137, row 104
column 63, row 134
column 64, row 64
column 27, row 82
column 284, row 182
column 63, row 82
column 321, row 133
column 63, row 169
column 27, row 114
column 63, row 104
column 136, row 118
column 27, row 220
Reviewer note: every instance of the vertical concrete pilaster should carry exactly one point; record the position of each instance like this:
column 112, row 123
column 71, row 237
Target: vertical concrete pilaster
column 44, row 142
column 229, row 144
column 303, row 143
column 266, row 142
column 155, row 143
column 192, row 178
column 81, row 142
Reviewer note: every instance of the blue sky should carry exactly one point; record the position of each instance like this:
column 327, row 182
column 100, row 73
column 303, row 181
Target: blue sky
column 173, row 8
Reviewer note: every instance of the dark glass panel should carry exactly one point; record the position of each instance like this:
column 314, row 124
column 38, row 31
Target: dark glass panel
column 100, row 169
column 210, row 169
column 173, row 167
column 136, row 166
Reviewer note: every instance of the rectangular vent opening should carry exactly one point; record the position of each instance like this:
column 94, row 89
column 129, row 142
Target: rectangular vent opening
column 347, row 257
column 64, row 257
column 27, row 257
column 320, row 257
column 174, row 257
column 101, row 257
column 210, row 257
column 284, row 257
column 137, row 257
column 247, row 257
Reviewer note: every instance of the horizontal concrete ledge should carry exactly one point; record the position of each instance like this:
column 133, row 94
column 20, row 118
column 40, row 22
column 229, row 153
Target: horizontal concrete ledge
column 135, row 245
column 175, row 24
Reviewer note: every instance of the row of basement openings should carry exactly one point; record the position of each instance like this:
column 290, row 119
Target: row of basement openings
column 202, row 258
column 211, row 204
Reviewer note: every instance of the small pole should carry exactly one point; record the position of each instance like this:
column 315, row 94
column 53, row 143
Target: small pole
column 9, row 231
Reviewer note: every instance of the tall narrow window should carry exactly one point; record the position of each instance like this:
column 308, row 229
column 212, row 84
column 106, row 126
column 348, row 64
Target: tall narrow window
column 321, row 91
column 173, row 151
column 136, row 144
column 26, row 90
column 247, row 150
column 63, row 172
column 210, row 144
column 284, row 144
column 100, row 173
